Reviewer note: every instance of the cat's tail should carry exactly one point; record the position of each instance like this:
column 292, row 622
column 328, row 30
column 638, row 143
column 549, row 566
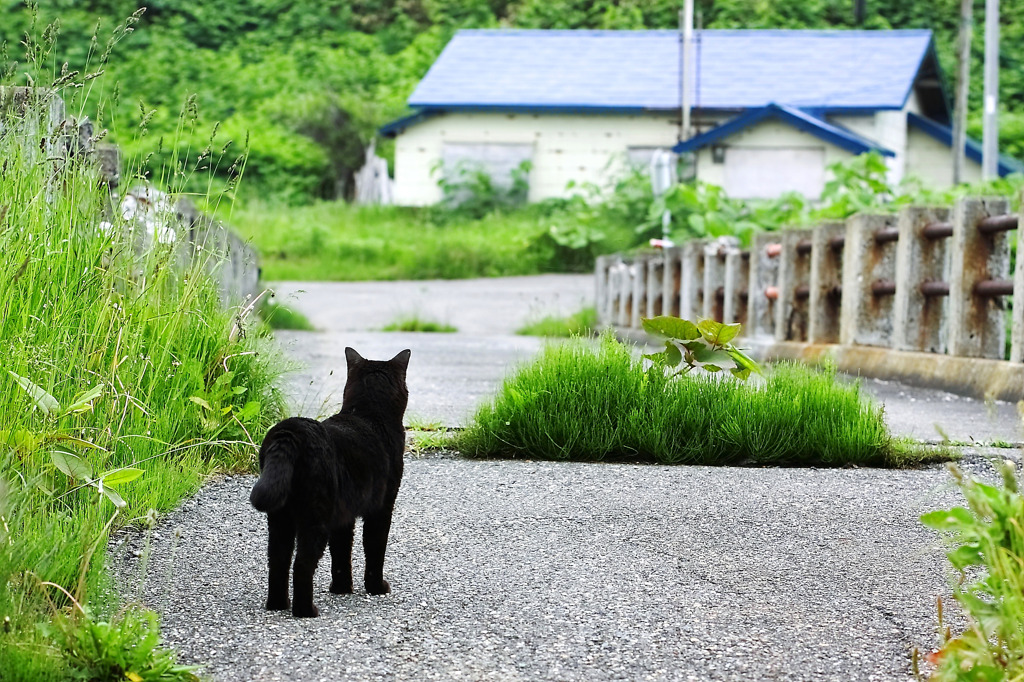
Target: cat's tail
column 277, row 463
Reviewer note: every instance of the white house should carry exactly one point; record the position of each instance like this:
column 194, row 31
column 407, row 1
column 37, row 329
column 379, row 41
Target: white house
column 771, row 109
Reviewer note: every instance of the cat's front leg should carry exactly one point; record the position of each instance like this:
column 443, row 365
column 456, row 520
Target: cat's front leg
column 375, row 541
column 341, row 559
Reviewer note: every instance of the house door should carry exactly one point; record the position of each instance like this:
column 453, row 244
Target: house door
column 766, row 172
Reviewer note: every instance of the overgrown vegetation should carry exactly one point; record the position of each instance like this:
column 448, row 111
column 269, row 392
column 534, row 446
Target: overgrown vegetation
column 988, row 555
column 582, row 323
column 280, row 316
column 124, row 384
column 310, row 83
column 581, row 402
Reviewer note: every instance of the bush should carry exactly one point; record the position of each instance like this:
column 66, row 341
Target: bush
column 581, row 402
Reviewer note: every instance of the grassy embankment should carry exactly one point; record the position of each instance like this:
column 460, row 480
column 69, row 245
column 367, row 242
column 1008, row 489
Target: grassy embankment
column 123, row 386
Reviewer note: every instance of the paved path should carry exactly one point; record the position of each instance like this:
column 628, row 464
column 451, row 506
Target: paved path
column 560, row 571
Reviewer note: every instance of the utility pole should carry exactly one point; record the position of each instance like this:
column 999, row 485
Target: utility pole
column 963, row 81
column 686, row 29
column 990, row 121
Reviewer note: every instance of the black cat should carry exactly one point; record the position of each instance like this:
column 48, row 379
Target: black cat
column 317, row 477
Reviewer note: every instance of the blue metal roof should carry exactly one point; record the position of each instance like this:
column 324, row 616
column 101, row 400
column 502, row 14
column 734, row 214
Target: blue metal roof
column 972, row 148
column 841, row 137
column 639, row 70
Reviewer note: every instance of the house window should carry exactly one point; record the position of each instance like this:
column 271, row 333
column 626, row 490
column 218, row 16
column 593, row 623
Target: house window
column 496, row 160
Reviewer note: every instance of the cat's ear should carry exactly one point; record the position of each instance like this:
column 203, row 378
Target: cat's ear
column 353, row 357
column 402, row 359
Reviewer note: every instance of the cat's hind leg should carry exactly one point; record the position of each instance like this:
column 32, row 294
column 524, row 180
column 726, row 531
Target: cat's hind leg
column 376, row 527
column 341, row 559
column 280, row 545
column 310, row 546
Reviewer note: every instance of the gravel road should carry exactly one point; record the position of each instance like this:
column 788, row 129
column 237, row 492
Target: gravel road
column 519, row 570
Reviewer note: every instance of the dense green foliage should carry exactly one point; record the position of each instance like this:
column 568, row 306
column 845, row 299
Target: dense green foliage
column 987, row 554
column 124, row 383
column 578, row 402
column 582, row 323
column 306, row 84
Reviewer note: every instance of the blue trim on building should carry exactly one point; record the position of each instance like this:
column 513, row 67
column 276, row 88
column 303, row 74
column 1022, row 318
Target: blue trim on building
column 840, row 137
column 400, row 124
column 972, row 148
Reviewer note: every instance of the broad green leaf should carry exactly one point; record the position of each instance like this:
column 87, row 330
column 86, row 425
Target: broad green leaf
column 113, row 496
column 72, row 465
column 965, row 556
column 717, row 333
column 743, row 360
column 711, row 368
column 121, row 476
column 741, row 373
column 239, row 390
column 249, row 410
column 948, row 519
column 83, row 401
column 716, row 356
column 199, row 401
column 672, row 327
column 19, row 439
column 45, row 402
column 673, row 356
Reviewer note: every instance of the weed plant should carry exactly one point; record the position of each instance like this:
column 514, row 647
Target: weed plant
column 581, row 402
column 124, row 383
column 582, row 323
column 987, row 552
column 415, row 323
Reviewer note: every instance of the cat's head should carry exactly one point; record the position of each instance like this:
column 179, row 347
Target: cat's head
column 377, row 385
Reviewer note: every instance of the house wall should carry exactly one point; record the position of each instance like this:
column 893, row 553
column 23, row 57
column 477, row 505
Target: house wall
column 579, row 148
column 769, row 134
column 931, row 162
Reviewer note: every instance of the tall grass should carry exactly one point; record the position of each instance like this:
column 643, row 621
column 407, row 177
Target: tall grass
column 582, row 323
column 578, row 402
column 174, row 391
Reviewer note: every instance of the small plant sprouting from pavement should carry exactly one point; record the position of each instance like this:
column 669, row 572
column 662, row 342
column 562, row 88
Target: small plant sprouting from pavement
column 578, row 402
column 707, row 344
column 988, row 554
column 428, row 434
column 582, row 323
column 415, row 323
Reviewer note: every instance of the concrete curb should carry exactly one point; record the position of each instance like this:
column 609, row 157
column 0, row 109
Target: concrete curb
column 974, row 377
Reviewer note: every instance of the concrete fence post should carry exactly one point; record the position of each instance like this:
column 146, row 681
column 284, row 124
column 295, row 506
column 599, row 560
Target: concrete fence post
column 602, row 288
column 920, row 316
column 869, row 271
column 691, row 302
column 737, row 285
column 1017, row 318
column 639, row 308
column 655, row 284
column 763, row 282
column 714, row 276
column 826, row 278
column 791, row 308
column 671, row 281
column 976, row 322
column 625, row 311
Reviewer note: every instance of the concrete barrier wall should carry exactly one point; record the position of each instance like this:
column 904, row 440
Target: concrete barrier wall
column 152, row 216
column 915, row 296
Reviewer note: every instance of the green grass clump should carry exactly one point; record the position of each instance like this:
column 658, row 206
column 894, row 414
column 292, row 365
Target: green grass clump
column 987, row 553
column 578, row 402
column 415, row 323
column 582, row 323
column 278, row 316
column 117, row 368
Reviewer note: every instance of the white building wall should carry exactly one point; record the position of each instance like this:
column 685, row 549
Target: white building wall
column 577, row 148
column 769, row 134
column 931, row 162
